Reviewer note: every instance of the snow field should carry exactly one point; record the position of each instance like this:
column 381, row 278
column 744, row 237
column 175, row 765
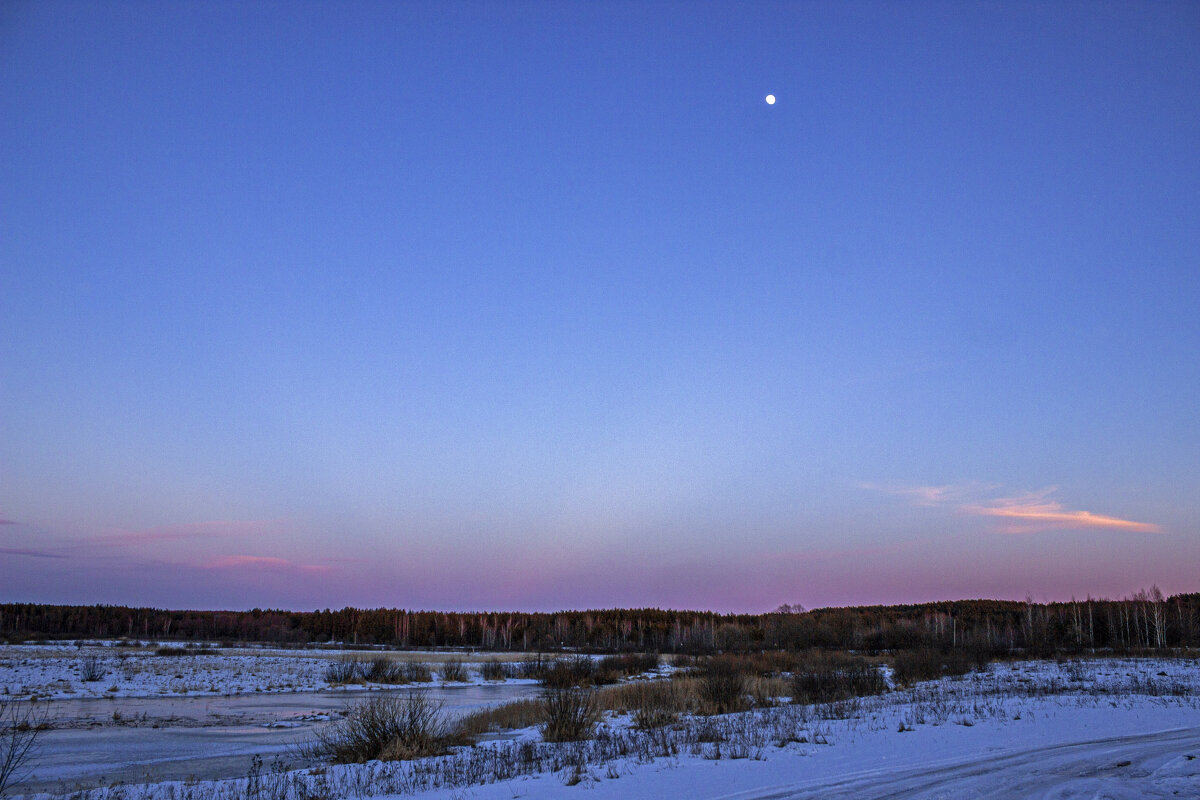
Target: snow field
column 57, row 671
column 920, row 742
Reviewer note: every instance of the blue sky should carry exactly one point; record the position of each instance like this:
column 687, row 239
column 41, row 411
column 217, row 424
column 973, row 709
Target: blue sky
column 540, row 305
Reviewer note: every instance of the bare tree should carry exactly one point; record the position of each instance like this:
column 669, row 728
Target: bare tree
column 20, row 725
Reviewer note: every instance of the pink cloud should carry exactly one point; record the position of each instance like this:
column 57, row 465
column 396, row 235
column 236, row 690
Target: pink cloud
column 269, row 563
column 1027, row 513
column 8, row 522
column 1034, row 512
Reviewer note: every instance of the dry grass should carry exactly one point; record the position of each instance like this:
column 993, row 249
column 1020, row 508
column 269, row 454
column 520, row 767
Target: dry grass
column 652, row 704
column 510, row 716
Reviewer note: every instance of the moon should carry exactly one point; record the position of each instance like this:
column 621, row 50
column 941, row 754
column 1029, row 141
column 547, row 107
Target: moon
column 770, row 99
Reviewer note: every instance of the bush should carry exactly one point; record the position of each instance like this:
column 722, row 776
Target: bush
column 494, row 670
column 384, row 670
column 20, row 726
column 534, row 668
column 570, row 713
column 576, row 671
column 416, row 672
column 926, row 664
column 722, row 686
column 836, row 680
column 345, row 670
column 388, row 727
column 454, row 672
column 91, row 669
column 628, row 664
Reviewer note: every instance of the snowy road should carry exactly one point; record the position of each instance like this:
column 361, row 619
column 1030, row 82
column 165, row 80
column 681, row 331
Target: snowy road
column 1156, row 765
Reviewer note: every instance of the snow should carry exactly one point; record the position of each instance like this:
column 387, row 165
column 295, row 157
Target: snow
column 1106, row 728
column 52, row 672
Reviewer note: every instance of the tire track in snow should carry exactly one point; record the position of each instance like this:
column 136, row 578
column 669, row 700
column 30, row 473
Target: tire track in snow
column 1165, row 764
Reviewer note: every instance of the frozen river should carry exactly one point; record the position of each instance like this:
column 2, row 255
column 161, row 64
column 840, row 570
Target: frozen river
column 95, row 742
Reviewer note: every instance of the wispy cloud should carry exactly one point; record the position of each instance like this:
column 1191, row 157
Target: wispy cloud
column 1035, row 511
column 268, row 563
column 1026, row 513
column 187, row 531
column 17, row 551
column 9, row 522
column 919, row 495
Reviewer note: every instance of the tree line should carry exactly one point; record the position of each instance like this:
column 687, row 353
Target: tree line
column 1144, row 621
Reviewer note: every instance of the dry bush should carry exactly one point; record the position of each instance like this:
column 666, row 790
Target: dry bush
column 91, row 669
column 384, row 670
column 836, row 678
column 454, row 672
column 571, row 713
column 575, row 671
column 387, row 727
column 496, row 670
column 416, row 672
column 722, row 687
column 927, row 663
column 629, row 664
column 20, row 725
column 533, row 668
column 345, row 670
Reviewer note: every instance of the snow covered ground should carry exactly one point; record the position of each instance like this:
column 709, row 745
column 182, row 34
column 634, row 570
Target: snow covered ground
column 58, row 671
column 1111, row 728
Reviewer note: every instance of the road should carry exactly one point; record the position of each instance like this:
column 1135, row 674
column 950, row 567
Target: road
column 1156, row 765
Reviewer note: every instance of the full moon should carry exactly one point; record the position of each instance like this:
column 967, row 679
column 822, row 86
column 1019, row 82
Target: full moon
column 770, row 99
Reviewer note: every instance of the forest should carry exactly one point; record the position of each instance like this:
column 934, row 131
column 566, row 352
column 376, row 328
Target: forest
column 1144, row 621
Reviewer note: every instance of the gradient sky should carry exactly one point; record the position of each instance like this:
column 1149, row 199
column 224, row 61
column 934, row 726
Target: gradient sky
column 540, row 305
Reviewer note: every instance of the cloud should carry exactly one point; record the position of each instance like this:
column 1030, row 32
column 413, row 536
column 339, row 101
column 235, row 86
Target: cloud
column 9, row 522
column 267, row 563
column 1034, row 512
column 193, row 530
column 17, row 551
column 919, row 495
column 1026, row 513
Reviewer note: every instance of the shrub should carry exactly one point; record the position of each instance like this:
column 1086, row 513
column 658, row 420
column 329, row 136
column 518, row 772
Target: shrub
column 576, row 671
column 834, row 680
column 388, row 727
column 722, row 686
column 570, row 713
column 630, row 663
column 416, row 672
column 345, row 670
column 384, row 670
column 534, row 668
column 91, row 669
column 615, row 667
column 454, row 672
column 493, row 670
column 926, row 663
column 20, row 726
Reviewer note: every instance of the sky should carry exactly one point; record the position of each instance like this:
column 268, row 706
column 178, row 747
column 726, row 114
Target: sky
column 540, row 305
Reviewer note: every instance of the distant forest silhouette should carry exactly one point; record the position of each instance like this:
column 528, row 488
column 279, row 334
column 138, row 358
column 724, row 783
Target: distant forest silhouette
column 1147, row 620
